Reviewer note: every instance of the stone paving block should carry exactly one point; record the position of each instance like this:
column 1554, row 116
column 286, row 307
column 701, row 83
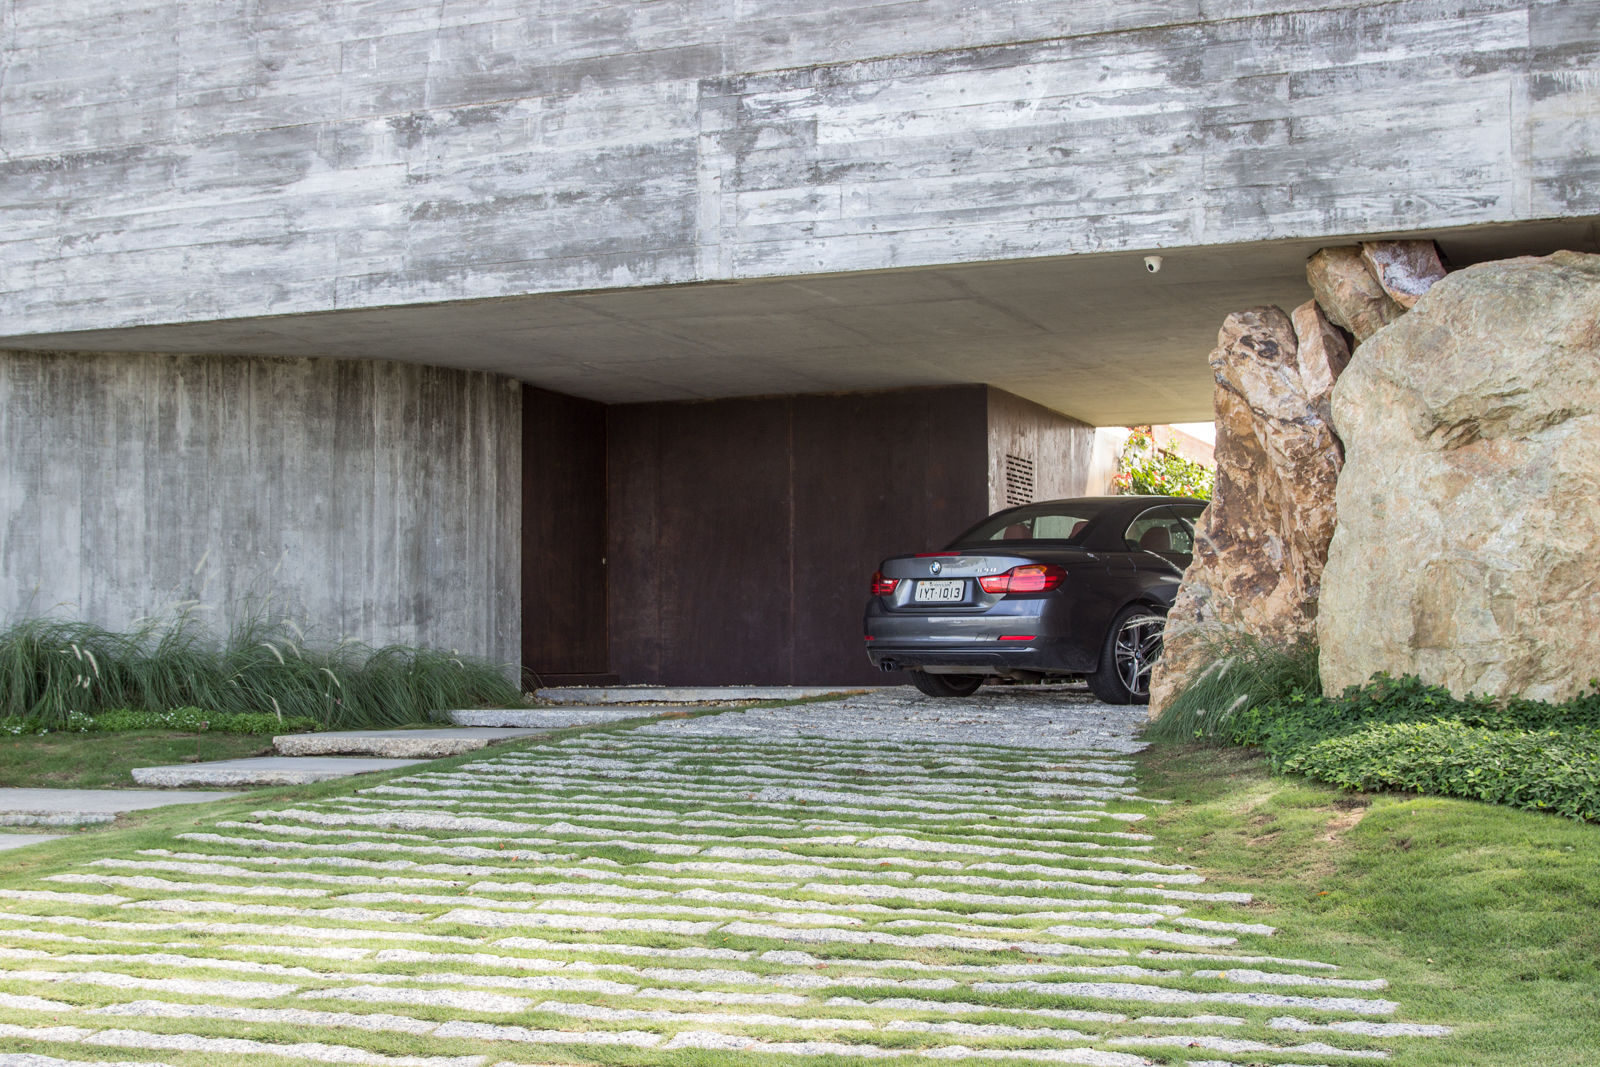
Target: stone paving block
column 927, row 860
column 397, row 744
column 551, row 718
column 265, row 770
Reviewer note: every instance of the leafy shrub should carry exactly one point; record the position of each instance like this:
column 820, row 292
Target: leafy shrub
column 51, row 669
column 1402, row 734
column 1301, row 719
column 1544, row 770
column 1145, row 467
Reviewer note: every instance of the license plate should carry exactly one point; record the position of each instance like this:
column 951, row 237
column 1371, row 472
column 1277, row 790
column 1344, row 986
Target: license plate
column 939, row 592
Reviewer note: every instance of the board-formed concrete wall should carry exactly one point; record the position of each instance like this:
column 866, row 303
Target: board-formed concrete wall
column 376, row 500
column 169, row 162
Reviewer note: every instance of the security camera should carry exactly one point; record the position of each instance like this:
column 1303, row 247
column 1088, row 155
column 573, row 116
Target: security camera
column 1152, row 264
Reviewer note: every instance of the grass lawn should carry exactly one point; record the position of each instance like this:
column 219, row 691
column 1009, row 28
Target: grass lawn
column 1488, row 919
column 105, row 760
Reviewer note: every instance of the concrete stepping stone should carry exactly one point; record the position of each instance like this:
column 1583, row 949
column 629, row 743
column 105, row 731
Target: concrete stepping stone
column 716, row 694
column 536, row 719
column 265, row 770
column 9, row 841
column 398, row 744
column 86, row 807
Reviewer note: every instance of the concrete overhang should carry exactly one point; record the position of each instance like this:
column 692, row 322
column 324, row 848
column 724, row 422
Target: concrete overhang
column 1094, row 336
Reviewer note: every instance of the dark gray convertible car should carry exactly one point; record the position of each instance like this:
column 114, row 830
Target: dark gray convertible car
column 1065, row 587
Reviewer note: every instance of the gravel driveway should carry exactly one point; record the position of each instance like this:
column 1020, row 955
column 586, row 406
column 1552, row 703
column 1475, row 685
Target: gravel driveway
column 883, row 876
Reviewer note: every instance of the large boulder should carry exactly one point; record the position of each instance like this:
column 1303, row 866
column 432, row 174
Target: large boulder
column 1260, row 547
column 1468, row 523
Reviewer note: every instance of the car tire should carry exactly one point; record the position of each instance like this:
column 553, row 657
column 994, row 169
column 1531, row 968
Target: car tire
column 946, row 685
column 1130, row 650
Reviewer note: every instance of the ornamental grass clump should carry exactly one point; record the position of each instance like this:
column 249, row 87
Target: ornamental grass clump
column 1244, row 672
column 54, row 669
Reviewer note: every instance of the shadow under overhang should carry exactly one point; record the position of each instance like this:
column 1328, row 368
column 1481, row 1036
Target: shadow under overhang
column 1094, row 336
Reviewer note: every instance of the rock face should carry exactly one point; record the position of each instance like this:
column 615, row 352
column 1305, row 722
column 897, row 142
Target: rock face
column 1466, row 548
column 1323, row 355
column 1348, row 292
column 1405, row 269
column 1261, row 545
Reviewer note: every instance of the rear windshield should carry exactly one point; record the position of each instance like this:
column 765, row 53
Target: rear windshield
column 1066, row 521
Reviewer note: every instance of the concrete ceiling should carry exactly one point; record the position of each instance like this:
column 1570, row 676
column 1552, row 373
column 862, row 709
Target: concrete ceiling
column 1093, row 336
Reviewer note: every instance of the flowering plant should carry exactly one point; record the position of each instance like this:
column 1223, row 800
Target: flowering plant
column 1146, row 467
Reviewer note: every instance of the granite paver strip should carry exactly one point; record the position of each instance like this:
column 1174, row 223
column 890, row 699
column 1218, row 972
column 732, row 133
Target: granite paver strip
column 553, row 718
column 881, row 877
column 398, row 744
column 266, row 770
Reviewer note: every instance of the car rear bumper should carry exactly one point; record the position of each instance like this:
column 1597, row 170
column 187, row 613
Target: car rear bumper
column 1029, row 635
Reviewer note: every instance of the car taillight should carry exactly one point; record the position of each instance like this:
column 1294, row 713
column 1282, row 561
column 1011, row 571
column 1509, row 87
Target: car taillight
column 1028, row 578
column 882, row 586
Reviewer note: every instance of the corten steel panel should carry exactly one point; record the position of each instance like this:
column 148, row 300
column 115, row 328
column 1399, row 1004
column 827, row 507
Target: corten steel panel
column 875, row 475
column 634, row 566
column 724, row 542
column 743, row 532
column 563, row 534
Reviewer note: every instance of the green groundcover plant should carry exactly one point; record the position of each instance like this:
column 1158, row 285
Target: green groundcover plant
column 1394, row 733
column 53, row 669
column 189, row 720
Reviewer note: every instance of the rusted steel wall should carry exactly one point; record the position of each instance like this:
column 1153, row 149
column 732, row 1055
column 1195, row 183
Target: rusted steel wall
column 743, row 532
column 563, row 536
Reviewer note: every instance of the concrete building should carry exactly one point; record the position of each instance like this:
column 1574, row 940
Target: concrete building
column 623, row 337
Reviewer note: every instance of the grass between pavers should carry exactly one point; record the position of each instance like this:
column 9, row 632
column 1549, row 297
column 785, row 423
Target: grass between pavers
column 106, row 760
column 707, row 782
column 1482, row 917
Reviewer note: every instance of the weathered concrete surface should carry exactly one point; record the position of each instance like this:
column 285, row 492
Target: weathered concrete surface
column 10, row 841
column 157, row 167
column 1465, row 550
column 1262, row 543
column 397, row 744
column 85, row 807
column 380, row 500
column 265, row 771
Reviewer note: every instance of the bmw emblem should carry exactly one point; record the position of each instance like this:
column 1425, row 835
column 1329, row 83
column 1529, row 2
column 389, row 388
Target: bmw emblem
column 935, row 567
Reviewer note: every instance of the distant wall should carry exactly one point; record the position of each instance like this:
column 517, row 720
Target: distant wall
column 1035, row 452
column 163, row 163
column 375, row 500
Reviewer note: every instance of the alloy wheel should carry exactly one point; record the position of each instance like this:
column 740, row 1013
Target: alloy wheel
column 1137, row 649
